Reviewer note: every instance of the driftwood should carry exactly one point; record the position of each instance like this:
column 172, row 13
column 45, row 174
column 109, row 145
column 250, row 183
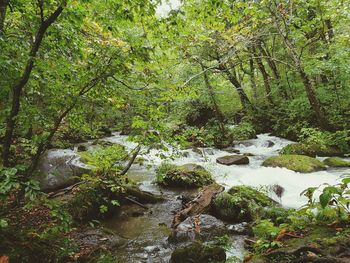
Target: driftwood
column 64, row 190
column 135, row 202
column 199, row 205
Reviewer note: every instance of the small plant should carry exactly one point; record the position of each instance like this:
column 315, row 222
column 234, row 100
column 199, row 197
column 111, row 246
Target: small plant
column 267, row 233
column 12, row 183
column 104, row 159
column 333, row 203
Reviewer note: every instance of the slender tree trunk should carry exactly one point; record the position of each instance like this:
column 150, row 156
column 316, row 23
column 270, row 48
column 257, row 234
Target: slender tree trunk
column 274, row 69
column 309, row 88
column 218, row 112
column 3, row 7
column 18, row 87
column 330, row 31
column 252, row 79
column 242, row 95
column 265, row 75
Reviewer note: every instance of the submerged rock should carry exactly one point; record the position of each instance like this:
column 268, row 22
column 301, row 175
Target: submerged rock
column 233, row 159
column 202, row 227
column 82, row 148
column 270, row 144
column 336, row 162
column 231, row 150
column 199, row 253
column 240, row 204
column 188, row 175
column 311, row 150
column 294, row 162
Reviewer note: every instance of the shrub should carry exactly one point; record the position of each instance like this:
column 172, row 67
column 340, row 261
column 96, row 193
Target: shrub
column 243, row 131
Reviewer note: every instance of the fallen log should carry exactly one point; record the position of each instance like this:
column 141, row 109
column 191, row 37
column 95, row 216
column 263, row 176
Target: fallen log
column 199, row 205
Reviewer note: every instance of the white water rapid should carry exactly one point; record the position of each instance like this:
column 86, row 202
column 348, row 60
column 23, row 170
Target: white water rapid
column 252, row 174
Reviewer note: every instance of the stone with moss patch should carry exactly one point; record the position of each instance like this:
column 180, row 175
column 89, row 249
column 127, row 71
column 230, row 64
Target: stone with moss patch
column 188, row 175
column 198, row 252
column 241, row 204
column 311, row 150
column 294, row 162
column 336, row 162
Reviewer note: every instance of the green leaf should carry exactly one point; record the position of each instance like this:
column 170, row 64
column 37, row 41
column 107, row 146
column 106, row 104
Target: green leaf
column 325, row 198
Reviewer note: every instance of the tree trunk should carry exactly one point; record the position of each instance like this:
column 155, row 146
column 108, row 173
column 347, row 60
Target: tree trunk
column 218, row 112
column 18, row 87
column 265, row 75
column 252, row 79
column 274, row 69
column 242, row 95
column 3, row 7
column 314, row 102
column 310, row 91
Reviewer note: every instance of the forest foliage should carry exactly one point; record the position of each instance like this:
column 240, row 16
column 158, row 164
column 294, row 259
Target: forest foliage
column 206, row 74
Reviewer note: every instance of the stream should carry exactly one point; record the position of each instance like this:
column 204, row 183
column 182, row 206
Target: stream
column 147, row 230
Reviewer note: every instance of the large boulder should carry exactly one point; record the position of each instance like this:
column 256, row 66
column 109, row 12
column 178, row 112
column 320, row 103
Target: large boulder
column 336, row 162
column 240, row 204
column 188, row 175
column 233, row 159
column 58, row 169
column 294, row 162
column 199, row 253
column 209, row 227
column 311, row 150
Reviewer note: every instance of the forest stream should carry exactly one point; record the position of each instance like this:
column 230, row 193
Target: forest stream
column 147, row 231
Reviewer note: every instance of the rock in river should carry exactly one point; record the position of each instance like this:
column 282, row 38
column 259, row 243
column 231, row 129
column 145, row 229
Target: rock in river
column 233, row 159
column 202, row 227
column 294, row 162
column 187, row 176
column 58, row 169
column 198, row 252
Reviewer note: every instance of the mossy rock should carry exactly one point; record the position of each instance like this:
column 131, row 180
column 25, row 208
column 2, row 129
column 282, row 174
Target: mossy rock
column 188, row 175
column 336, row 162
column 241, row 204
column 311, row 150
column 294, row 162
column 198, row 252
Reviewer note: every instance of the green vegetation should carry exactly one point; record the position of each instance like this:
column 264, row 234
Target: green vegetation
column 205, row 74
column 198, row 252
column 188, row 175
column 244, row 131
column 241, row 204
column 336, row 162
column 323, row 221
column 294, row 162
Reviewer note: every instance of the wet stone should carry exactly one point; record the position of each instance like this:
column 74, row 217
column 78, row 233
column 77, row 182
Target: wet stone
column 233, row 159
column 239, row 229
column 202, row 227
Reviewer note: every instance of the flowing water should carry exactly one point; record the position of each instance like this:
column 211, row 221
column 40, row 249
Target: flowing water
column 147, row 231
column 252, row 174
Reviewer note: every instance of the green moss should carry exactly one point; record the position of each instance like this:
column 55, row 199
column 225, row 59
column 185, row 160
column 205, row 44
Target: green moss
column 336, row 162
column 198, row 252
column 311, row 150
column 188, row 175
column 241, row 203
column 297, row 163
